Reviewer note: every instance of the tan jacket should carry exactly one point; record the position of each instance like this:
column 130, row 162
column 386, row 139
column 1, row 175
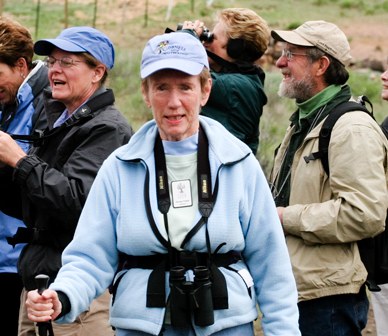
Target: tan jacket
column 327, row 215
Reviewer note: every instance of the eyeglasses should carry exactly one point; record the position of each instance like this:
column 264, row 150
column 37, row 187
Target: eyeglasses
column 289, row 54
column 64, row 62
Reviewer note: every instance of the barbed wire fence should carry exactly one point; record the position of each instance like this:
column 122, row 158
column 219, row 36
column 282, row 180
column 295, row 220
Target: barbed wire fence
column 99, row 8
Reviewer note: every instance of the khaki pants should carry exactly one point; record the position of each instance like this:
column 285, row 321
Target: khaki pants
column 94, row 322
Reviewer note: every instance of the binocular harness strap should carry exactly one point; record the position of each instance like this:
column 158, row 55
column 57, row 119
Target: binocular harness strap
column 156, row 296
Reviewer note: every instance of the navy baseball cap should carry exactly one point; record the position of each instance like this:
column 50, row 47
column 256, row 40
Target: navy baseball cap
column 80, row 39
column 179, row 51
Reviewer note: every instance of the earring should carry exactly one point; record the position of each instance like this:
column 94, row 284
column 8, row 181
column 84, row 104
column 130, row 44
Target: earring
column 23, row 76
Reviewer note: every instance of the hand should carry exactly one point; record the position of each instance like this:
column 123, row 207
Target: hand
column 43, row 308
column 197, row 26
column 280, row 213
column 10, row 151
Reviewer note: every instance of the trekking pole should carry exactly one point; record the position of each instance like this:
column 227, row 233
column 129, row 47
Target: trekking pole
column 44, row 328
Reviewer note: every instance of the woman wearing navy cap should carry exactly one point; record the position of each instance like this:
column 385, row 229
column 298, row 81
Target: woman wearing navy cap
column 50, row 183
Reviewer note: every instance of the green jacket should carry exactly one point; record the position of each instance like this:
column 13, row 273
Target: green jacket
column 237, row 101
column 325, row 216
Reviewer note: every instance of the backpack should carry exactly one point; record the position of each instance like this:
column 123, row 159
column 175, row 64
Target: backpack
column 373, row 251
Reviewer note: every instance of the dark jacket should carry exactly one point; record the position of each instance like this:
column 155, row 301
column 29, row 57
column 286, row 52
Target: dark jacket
column 237, row 101
column 51, row 184
column 22, row 117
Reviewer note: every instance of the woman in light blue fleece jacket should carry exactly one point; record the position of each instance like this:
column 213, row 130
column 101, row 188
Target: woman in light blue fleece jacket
column 135, row 226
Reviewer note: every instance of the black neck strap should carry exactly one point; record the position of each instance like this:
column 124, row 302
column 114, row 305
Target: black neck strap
column 85, row 112
column 162, row 188
column 205, row 195
column 156, row 284
column 242, row 67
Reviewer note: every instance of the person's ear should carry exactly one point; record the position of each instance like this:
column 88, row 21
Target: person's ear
column 21, row 66
column 323, row 64
column 144, row 92
column 206, row 89
column 99, row 72
column 21, row 63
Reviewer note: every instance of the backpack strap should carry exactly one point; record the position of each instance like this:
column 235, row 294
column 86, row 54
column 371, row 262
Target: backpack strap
column 384, row 126
column 327, row 127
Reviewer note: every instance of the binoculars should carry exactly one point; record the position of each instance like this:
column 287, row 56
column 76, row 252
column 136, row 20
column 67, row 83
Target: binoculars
column 206, row 35
column 188, row 298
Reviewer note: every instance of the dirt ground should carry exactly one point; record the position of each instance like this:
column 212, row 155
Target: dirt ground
column 367, row 40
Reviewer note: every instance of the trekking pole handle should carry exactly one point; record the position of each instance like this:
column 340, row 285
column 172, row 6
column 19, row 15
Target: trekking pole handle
column 42, row 282
column 44, row 328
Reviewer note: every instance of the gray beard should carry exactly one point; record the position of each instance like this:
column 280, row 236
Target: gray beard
column 301, row 90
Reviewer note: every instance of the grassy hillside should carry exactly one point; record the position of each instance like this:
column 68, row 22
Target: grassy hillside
column 129, row 25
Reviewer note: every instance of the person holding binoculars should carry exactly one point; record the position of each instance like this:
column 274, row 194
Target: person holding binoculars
column 179, row 223
column 239, row 39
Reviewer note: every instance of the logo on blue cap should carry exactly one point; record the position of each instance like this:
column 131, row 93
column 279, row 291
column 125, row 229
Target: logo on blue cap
column 162, row 46
column 178, row 51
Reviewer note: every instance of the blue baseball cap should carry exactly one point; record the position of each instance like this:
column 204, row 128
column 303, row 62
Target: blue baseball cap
column 80, row 39
column 178, row 51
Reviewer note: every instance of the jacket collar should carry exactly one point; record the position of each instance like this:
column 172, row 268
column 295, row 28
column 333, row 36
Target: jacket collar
column 223, row 147
column 54, row 108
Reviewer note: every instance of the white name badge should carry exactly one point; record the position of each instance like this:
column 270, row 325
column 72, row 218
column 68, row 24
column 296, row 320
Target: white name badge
column 181, row 194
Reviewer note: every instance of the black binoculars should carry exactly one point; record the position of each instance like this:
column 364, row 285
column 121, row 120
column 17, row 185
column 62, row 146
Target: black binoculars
column 189, row 298
column 206, row 35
